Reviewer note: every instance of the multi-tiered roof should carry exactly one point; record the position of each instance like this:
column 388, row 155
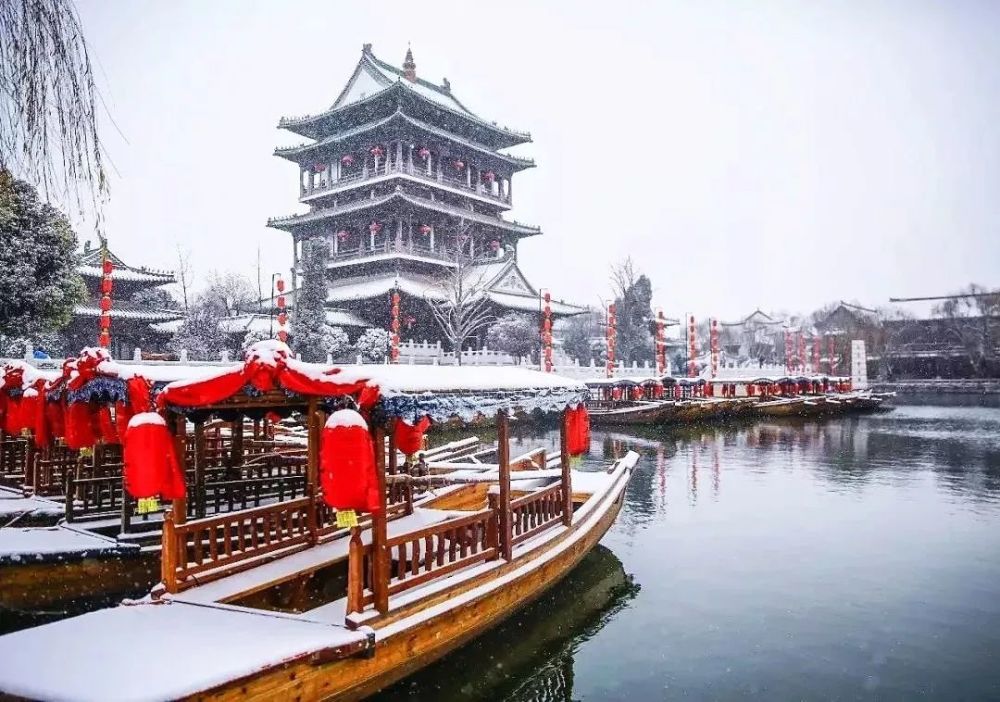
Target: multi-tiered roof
column 402, row 179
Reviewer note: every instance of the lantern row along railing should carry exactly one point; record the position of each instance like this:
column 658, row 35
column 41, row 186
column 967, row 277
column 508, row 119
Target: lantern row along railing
column 422, row 555
column 366, row 174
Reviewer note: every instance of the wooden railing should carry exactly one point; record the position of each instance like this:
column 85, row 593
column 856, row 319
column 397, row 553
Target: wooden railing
column 222, row 542
column 422, row 555
column 536, row 512
column 92, row 498
column 230, row 495
column 15, row 455
column 50, row 467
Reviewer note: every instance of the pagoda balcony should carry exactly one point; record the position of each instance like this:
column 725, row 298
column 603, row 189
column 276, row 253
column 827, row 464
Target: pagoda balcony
column 388, row 249
column 459, row 186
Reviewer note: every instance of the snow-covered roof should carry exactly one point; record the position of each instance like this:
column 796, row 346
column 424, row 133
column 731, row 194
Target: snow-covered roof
column 42, row 544
column 399, row 195
column 128, row 311
column 242, row 323
column 298, row 152
column 531, row 303
column 372, row 78
column 167, row 650
column 90, row 265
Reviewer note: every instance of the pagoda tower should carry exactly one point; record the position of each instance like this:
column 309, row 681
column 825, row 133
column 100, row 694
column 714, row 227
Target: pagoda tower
column 404, row 182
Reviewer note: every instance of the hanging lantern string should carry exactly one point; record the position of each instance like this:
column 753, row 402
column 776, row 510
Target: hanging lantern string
column 107, row 267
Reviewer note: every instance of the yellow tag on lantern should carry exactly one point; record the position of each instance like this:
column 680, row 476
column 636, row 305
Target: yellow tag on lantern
column 347, row 518
column 26, row 433
column 575, row 461
column 147, row 505
column 87, row 452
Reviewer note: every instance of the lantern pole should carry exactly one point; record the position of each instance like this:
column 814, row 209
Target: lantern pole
column 282, row 316
column 547, row 332
column 692, row 349
column 661, row 344
column 612, row 335
column 394, row 327
column 107, row 267
column 714, row 346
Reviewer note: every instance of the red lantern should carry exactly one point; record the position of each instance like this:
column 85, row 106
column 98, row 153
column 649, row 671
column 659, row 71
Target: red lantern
column 151, row 465
column 282, row 318
column 347, row 160
column 376, row 151
column 105, row 321
column 79, row 426
column 458, row 164
column 347, row 461
column 408, row 437
column 281, row 301
column 489, row 176
column 280, row 285
column 342, row 235
column 319, row 167
column 108, row 267
column 106, row 286
column 425, row 229
column 495, row 245
column 424, row 153
column 578, row 429
column 375, row 227
column 104, row 340
column 283, row 336
column 105, row 303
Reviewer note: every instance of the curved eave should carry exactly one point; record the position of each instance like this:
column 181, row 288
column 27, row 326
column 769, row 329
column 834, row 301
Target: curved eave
column 302, row 153
column 306, row 125
column 289, row 224
column 128, row 275
column 138, row 315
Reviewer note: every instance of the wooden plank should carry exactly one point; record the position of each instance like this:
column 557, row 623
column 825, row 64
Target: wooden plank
column 380, row 553
column 566, row 478
column 503, row 458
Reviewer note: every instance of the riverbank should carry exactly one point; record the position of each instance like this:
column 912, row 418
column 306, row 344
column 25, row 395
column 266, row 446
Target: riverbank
column 972, row 386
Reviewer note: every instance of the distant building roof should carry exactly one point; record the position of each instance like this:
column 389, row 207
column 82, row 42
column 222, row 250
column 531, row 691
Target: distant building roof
column 91, row 261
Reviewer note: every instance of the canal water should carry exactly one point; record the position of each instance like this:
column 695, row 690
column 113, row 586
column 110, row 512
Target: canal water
column 851, row 558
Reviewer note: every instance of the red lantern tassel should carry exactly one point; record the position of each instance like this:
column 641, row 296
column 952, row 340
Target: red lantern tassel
column 347, row 460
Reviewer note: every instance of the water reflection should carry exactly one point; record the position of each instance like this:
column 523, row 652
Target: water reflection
column 530, row 656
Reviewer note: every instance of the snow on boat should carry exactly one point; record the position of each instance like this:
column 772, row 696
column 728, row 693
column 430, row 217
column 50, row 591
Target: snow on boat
column 425, row 572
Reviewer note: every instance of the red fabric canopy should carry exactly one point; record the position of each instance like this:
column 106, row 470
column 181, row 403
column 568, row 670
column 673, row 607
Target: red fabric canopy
column 266, row 369
column 410, row 437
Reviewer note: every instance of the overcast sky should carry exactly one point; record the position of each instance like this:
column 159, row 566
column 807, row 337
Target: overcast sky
column 779, row 155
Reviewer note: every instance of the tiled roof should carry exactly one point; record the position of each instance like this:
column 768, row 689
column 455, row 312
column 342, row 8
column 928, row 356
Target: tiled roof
column 124, row 310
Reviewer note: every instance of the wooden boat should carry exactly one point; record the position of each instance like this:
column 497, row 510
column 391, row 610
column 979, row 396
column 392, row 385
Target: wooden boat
column 228, row 620
column 631, row 412
column 780, row 407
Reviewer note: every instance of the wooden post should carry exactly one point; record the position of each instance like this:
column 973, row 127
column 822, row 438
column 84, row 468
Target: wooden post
column 566, row 477
column 126, row 509
column 179, row 506
column 355, row 572
column 312, row 467
column 503, row 458
column 236, row 455
column 169, row 552
column 69, row 495
column 380, row 554
column 199, row 468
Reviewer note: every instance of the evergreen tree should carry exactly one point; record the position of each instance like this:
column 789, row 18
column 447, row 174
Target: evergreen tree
column 633, row 313
column 335, row 342
column 373, row 345
column 514, row 334
column 310, row 324
column 200, row 334
column 39, row 284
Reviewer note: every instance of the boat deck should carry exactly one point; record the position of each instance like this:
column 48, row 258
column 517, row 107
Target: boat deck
column 58, row 543
column 164, row 651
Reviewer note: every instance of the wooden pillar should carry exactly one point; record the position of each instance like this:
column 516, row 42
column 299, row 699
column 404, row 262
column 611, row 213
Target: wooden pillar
column 168, row 557
column 314, row 431
column 567, row 480
column 199, row 469
column 503, row 458
column 179, row 506
column 236, row 453
column 355, row 572
column 380, row 553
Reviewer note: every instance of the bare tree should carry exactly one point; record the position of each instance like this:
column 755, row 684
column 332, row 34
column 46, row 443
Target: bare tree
column 184, row 273
column 458, row 302
column 972, row 318
column 48, row 100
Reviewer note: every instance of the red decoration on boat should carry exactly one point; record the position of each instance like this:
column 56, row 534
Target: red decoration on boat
column 424, row 153
column 578, row 430
column 347, row 160
column 79, row 428
column 151, row 465
column 376, row 151
column 347, row 462
column 409, row 438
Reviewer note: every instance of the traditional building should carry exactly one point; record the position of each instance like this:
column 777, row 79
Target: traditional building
column 407, row 186
column 757, row 338
column 131, row 322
